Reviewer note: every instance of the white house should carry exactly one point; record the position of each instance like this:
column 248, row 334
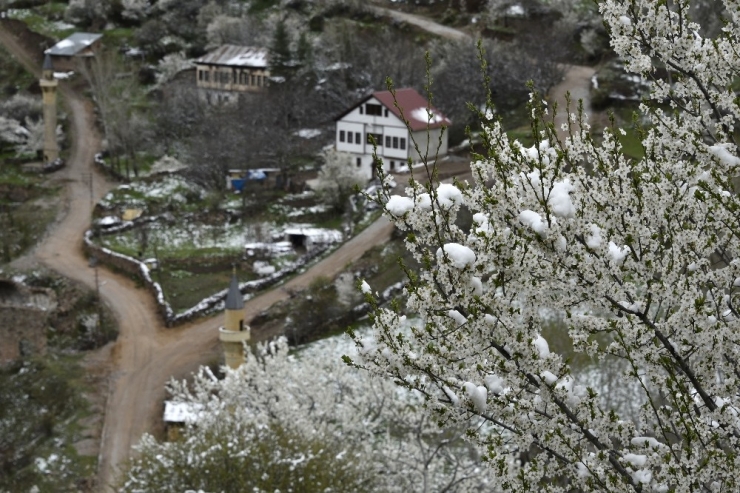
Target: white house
column 376, row 120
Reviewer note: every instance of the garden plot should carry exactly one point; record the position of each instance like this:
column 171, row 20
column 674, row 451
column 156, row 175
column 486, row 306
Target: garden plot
column 191, row 235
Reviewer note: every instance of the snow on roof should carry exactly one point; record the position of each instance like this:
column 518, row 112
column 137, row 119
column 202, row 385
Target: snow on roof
column 308, row 133
column 316, row 235
column 74, row 44
column 414, row 107
column 182, row 412
column 236, row 56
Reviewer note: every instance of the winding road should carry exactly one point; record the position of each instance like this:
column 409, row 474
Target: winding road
column 146, row 354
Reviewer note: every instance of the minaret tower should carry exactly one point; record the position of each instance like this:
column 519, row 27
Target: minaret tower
column 234, row 333
column 49, row 91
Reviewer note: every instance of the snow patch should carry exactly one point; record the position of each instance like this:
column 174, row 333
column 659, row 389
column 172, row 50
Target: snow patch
column 460, row 256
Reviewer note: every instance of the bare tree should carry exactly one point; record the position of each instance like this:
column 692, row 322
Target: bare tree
column 121, row 104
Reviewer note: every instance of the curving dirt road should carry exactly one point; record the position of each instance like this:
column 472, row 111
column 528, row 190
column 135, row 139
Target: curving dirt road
column 577, row 82
column 422, row 22
column 146, row 354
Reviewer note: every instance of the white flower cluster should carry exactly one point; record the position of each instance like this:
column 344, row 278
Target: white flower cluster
column 371, row 425
column 647, row 247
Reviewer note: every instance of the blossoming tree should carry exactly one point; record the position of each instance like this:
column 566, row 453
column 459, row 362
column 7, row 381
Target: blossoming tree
column 304, row 423
column 638, row 255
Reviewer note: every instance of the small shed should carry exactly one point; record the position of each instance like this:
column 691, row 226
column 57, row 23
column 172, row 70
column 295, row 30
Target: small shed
column 179, row 414
column 77, row 44
column 238, row 179
column 308, row 237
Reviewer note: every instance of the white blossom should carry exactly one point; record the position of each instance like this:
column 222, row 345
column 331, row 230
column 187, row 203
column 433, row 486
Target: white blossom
column 638, row 255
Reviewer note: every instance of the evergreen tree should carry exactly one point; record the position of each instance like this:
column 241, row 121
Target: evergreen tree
column 281, row 58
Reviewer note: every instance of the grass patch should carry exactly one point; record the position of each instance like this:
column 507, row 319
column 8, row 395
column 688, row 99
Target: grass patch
column 26, row 209
column 40, row 20
column 631, row 144
column 41, row 405
column 185, row 289
column 522, row 134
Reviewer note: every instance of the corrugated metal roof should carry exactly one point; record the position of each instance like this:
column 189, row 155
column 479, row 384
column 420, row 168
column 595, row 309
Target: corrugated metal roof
column 73, row 44
column 47, row 63
column 237, row 56
column 234, row 298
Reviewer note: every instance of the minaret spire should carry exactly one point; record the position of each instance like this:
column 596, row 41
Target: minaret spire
column 49, row 93
column 234, row 334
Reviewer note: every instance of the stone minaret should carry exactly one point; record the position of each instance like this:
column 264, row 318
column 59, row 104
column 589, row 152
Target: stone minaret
column 234, row 333
column 49, row 90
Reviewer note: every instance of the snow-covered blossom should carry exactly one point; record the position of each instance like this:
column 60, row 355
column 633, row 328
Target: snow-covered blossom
column 639, row 256
column 267, row 418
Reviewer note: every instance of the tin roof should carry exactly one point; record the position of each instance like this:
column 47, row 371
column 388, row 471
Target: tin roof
column 73, row 44
column 236, row 56
column 234, row 298
column 47, row 63
column 182, row 412
column 415, row 108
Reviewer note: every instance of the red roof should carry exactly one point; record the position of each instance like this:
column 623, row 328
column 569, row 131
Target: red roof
column 414, row 107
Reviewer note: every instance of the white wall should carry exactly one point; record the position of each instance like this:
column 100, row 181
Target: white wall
column 432, row 137
column 390, row 126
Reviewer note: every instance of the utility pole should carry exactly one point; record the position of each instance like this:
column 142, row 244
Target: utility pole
column 94, row 264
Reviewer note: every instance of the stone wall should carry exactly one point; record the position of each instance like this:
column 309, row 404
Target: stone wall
column 24, row 314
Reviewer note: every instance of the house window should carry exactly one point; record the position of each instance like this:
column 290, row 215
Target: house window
column 375, row 139
column 349, row 137
column 259, row 80
column 200, row 75
column 359, row 162
column 361, row 112
column 358, row 137
column 253, row 80
column 374, row 109
column 403, row 143
column 388, row 141
column 393, row 165
column 386, row 113
column 207, row 76
column 395, row 142
column 341, row 136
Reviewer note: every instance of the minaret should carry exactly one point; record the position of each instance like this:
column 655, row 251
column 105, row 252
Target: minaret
column 234, row 333
column 49, row 90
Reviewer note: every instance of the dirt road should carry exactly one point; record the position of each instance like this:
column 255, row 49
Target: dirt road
column 424, row 23
column 577, row 82
column 146, row 354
